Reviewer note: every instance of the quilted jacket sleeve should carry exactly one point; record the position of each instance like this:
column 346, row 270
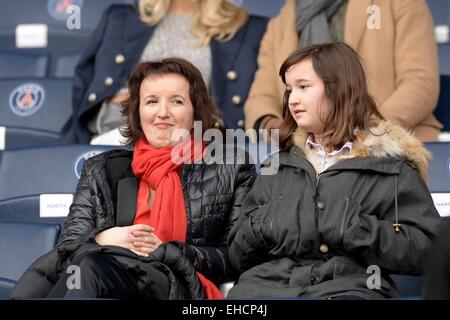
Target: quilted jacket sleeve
column 213, row 262
column 80, row 226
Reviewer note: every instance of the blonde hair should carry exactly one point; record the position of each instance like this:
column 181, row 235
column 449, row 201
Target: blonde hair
column 218, row 19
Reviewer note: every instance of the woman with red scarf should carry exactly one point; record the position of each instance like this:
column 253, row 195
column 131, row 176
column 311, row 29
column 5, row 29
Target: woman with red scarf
column 152, row 223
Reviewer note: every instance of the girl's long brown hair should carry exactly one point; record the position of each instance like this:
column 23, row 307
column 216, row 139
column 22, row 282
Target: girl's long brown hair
column 351, row 106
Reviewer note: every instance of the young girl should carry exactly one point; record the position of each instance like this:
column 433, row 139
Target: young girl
column 349, row 199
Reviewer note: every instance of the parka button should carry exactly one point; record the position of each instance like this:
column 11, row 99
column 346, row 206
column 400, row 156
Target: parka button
column 321, row 205
column 240, row 124
column 323, row 248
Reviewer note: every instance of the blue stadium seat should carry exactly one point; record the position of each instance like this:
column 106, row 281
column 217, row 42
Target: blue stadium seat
column 440, row 10
column 30, row 179
column 439, row 169
column 442, row 111
column 63, row 38
column 20, row 65
column 34, row 111
column 60, row 41
column 20, row 244
column 439, row 176
column 261, row 8
column 52, row 12
column 444, row 58
column 409, row 287
column 63, row 66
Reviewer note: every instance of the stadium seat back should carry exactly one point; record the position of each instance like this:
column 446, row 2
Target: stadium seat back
column 54, row 12
column 409, row 287
column 21, row 244
column 261, row 8
column 34, row 111
column 19, row 65
column 64, row 65
column 36, row 184
column 439, row 176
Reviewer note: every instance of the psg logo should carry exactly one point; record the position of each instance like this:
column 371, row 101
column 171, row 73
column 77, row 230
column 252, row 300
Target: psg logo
column 26, row 99
column 57, row 8
column 81, row 159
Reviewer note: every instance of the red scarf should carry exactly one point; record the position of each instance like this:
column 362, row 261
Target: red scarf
column 159, row 169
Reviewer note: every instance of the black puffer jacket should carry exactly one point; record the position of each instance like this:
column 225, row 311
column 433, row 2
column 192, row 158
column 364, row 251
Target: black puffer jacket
column 106, row 197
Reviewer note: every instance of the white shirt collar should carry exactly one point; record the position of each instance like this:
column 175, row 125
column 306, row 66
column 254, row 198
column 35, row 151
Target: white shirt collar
column 311, row 145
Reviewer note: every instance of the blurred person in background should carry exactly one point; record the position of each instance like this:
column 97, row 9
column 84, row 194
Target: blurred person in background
column 221, row 39
column 395, row 40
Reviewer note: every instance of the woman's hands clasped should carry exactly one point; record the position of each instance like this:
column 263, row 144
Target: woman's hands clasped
column 139, row 238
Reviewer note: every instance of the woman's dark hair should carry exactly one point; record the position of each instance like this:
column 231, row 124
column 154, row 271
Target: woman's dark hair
column 204, row 108
column 351, row 106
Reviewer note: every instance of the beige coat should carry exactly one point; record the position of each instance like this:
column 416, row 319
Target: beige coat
column 400, row 60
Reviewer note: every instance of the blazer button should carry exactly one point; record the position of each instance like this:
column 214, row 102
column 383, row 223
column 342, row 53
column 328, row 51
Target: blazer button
column 321, row 205
column 92, row 97
column 109, row 81
column 236, row 99
column 120, row 58
column 231, row 75
column 240, row 124
column 323, row 248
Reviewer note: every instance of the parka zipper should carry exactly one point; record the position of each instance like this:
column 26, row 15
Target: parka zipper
column 318, row 178
column 310, row 164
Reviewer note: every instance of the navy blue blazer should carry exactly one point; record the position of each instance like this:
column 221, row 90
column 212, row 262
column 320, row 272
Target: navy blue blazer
column 116, row 47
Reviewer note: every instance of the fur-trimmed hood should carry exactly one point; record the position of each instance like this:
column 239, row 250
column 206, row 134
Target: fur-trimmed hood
column 385, row 139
